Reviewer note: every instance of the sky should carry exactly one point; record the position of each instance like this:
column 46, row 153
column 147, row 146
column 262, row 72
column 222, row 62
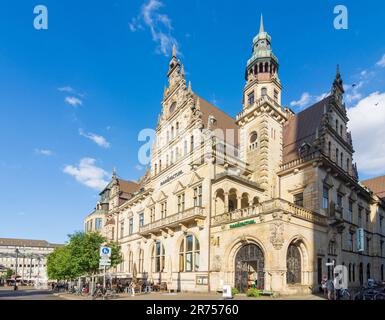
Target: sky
column 74, row 97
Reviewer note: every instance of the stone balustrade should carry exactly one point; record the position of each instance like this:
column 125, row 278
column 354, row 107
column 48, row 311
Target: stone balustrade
column 175, row 219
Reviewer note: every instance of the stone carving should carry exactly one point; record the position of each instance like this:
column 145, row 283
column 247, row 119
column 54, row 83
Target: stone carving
column 276, row 237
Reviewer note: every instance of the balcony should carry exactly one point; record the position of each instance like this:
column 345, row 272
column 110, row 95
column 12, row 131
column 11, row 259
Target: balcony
column 268, row 207
column 187, row 216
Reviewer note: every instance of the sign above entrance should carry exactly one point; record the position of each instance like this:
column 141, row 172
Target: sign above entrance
column 241, row 224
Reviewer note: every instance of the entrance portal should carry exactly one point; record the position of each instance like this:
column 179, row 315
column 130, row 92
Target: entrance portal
column 293, row 261
column 249, row 265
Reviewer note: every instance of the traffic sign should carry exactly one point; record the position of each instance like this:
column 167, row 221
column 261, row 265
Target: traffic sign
column 104, row 262
column 105, row 252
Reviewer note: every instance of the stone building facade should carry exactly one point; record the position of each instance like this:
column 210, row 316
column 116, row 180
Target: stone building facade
column 27, row 258
column 267, row 198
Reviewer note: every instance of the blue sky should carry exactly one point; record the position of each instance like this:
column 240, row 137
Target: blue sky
column 74, row 97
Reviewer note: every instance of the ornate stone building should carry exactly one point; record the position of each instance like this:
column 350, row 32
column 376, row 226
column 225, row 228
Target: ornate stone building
column 267, row 198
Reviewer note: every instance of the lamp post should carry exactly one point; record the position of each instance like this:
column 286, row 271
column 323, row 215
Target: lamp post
column 17, row 261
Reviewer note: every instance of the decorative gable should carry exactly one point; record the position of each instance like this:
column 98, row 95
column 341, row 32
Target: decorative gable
column 179, row 187
column 195, row 179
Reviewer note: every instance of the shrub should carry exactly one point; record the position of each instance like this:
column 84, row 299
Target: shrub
column 252, row 292
column 234, row 291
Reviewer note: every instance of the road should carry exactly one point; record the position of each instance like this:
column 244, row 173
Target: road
column 30, row 294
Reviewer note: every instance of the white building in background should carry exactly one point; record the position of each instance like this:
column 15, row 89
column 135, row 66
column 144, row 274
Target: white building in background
column 27, row 258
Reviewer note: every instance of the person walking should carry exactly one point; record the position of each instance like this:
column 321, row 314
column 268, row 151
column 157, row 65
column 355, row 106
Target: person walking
column 324, row 282
column 330, row 289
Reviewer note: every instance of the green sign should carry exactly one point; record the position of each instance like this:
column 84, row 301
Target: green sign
column 241, row 224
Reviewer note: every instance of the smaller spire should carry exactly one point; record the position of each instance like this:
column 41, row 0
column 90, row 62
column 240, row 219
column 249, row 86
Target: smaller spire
column 174, row 50
column 261, row 26
column 198, row 104
column 114, row 173
column 189, row 90
column 182, row 70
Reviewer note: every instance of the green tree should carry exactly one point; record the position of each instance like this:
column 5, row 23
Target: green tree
column 80, row 256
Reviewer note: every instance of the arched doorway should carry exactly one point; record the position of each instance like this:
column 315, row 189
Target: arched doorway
column 249, row 265
column 293, row 264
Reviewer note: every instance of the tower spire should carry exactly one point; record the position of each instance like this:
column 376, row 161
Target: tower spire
column 261, row 26
column 174, row 50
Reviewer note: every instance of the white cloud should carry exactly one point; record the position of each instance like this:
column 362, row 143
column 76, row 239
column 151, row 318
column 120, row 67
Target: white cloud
column 139, row 167
column 367, row 123
column 44, row 152
column 381, row 62
column 303, row 101
column 73, row 101
column 99, row 140
column 88, row 173
column 67, row 89
column 159, row 24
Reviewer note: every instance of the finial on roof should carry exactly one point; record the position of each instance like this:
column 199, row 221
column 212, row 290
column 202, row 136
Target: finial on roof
column 189, row 90
column 174, row 50
column 198, row 104
column 182, row 70
column 114, row 173
column 261, row 26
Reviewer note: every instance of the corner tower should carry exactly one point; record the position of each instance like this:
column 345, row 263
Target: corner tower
column 262, row 118
column 262, row 71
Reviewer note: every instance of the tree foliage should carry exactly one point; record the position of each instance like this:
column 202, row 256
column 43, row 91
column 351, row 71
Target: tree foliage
column 80, row 256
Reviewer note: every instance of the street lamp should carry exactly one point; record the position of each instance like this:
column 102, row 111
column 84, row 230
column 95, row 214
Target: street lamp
column 17, row 262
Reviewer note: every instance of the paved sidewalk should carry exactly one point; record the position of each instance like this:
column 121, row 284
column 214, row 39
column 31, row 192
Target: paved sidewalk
column 190, row 296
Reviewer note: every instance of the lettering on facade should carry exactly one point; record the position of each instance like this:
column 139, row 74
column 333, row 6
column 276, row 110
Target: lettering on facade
column 170, row 178
column 241, row 224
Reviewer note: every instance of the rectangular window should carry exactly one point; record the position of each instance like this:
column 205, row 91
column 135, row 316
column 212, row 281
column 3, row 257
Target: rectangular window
column 141, row 219
column 350, row 241
column 367, row 218
column 325, row 197
column 350, row 211
column 181, row 202
column 163, row 210
column 152, row 214
column 298, row 199
column 250, row 99
column 98, row 223
column 359, row 216
column 131, row 226
column 275, row 95
column 198, row 196
column 122, row 229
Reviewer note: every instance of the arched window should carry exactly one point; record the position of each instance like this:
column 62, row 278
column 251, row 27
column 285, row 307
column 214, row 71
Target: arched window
column 263, row 92
column 141, row 261
column 337, row 125
column 177, row 128
column 382, row 272
column 261, row 67
column 157, row 257
column 156, row 168
column 354, row 272
column 172, row 133
column 189, row 254
column 185, row 147
column 329, row 148
column 253, row 140
column 130, row 261
column 266, row 67
column 172, row 107
column 368, row 271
